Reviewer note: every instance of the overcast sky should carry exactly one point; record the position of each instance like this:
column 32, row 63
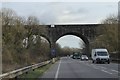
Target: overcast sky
column 65, row 13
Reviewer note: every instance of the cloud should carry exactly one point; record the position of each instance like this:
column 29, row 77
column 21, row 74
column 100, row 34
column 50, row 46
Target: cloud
column 70, row 18
column 62, row 12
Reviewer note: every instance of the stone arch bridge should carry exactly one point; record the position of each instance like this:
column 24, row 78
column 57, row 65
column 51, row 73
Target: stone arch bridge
column 86, row 32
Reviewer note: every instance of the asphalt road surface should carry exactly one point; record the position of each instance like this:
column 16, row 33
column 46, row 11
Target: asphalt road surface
column 76, row 69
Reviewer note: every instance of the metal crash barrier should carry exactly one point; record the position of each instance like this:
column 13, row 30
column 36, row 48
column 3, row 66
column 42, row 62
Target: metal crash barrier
column 15, row 73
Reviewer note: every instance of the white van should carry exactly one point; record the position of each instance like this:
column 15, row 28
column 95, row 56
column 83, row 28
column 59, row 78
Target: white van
column 100, row 55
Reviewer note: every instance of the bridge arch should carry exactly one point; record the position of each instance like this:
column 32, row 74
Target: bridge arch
column 47, row 38
column 85, row 40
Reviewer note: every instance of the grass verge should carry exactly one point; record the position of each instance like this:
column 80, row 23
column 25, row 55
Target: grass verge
column 33, row 75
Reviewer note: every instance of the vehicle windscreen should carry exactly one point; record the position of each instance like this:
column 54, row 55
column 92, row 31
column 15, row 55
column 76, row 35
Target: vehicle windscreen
column 102, row 54
column 84, row 56
column 76, row 54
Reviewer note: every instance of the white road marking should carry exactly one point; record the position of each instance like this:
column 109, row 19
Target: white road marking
column 99, row 68
column 115, row 70
column 56, row 76
column 106, row 71
column 111, row 69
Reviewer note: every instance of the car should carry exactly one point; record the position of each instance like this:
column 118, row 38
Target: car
column 84, row 57
column 76, row 55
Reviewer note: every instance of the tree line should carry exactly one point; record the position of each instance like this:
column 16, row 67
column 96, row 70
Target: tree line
column 66, row 50
column 108, row 35
column 21, row 41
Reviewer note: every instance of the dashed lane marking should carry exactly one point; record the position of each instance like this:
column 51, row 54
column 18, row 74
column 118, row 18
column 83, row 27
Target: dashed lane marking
column 99, row 68
column 106, row 71
column 115, row 71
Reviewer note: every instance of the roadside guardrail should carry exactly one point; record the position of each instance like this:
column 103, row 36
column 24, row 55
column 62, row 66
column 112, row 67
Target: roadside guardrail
column 16, row 73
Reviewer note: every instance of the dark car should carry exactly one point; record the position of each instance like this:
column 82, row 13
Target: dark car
column 76, row 55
